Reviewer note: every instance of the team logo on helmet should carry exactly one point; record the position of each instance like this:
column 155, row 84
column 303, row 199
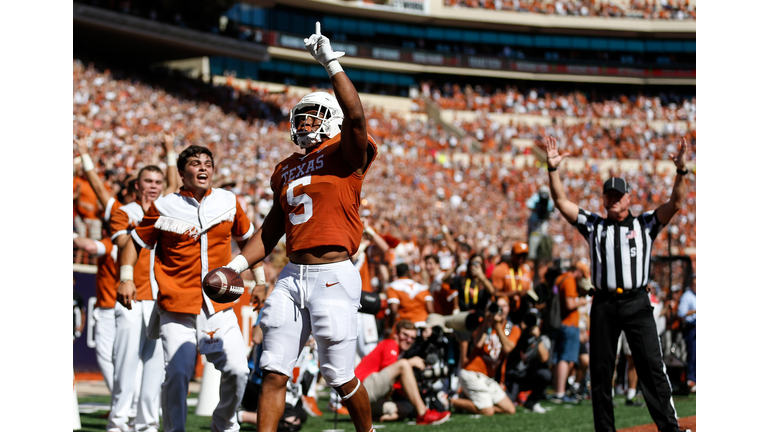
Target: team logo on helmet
column 328, row 113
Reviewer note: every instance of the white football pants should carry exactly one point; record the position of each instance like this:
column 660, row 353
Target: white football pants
column 181, row 334
column 324, row 299
column 104, row 336
column 132, row 348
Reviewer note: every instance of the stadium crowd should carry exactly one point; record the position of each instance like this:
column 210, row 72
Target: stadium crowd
column 121, row 116
column 641, row 9
column 419, row 197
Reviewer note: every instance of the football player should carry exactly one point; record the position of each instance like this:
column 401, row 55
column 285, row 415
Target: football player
column 318, row 197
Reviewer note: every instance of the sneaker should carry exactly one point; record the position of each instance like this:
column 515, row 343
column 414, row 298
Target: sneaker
column 341, row 410
column 537, row 408
column 565, row 399
column 310, row 406
column 691, row 386
column 433, row 417
column 634, row 402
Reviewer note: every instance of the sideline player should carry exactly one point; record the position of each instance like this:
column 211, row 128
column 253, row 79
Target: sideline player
column 131, row 343
column 319, row 289
column 191, row 232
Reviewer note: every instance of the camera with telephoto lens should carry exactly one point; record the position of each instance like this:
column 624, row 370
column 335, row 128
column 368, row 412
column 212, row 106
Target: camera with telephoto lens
column 437, row 352
column 493, row 308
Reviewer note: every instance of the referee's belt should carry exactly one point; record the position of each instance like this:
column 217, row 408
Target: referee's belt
column 619, row 293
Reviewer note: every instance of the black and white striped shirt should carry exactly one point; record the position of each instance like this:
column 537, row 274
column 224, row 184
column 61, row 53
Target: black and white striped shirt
column 620, row 252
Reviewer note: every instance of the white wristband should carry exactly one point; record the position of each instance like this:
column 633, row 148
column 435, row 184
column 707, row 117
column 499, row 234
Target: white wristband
column 171, row 158
column 445, row 229
column 369, row 230
column 239, row 264
column 333, row 67
column 258, row 275
column 126, row 273
column 87, row 162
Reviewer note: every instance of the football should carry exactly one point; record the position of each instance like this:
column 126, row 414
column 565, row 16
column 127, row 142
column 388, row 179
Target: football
column 223, row 285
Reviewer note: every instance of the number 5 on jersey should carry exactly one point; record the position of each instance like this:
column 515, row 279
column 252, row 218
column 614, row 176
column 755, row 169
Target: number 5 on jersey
column 295, row 201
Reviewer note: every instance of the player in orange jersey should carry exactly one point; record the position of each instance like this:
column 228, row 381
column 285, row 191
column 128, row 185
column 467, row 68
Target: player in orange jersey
column 191, row 231
column 317, row 198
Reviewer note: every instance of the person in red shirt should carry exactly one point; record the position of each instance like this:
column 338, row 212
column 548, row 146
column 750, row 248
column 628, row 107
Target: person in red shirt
column 380, row 369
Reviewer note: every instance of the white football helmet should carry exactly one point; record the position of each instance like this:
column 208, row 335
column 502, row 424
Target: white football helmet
column 328, row 112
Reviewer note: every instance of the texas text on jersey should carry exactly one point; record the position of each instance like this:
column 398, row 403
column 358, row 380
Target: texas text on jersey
column 323, row 185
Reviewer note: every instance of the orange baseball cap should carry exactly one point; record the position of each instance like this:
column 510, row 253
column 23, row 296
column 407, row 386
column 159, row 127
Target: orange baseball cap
column 520, row 248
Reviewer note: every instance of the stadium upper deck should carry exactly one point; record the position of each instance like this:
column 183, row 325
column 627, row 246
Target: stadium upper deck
column 397, row 44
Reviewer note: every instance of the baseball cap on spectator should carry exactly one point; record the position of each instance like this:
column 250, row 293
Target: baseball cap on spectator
column 615, row 183
column 520, row 248
column 584, row 267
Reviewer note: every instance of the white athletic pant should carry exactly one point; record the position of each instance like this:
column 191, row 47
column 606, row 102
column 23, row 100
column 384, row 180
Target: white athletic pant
column 367, row 334
column 104, row 336
column 181, row 334
column 321, row 298
column 133, row 349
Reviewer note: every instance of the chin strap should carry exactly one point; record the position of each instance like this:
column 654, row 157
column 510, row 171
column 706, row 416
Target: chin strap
column 352, row 393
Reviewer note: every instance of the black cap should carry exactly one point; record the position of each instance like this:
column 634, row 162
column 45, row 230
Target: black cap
column 615, row 183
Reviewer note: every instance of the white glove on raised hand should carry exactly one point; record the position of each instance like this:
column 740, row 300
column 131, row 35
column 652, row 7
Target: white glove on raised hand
column 319, row 47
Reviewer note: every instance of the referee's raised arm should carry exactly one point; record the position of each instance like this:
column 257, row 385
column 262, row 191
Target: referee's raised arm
column 569, row 209
column 675, row 203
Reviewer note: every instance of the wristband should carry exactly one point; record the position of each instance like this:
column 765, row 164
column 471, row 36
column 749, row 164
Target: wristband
column 87, row 162
column 171, row 158
column 445, row 229
column 258, row 275
column 679, row 171
column 126, row 273
column 333, row 67
column 239, row 264
column 550, row 169
column 369, row 230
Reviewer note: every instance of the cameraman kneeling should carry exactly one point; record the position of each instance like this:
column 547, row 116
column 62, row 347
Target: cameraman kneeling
column 527, row 363
column 380, row 369
column 489, row 347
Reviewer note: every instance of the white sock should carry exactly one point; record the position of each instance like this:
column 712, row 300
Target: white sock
column 560, row 395
column 571, row 379
column 631, row 393
column 576, row 386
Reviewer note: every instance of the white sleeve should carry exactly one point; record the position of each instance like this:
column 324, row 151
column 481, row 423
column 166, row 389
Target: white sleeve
column 100, row 249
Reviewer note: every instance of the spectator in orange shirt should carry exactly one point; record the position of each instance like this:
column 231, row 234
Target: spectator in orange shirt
column 490, row 347
column 567, row 340
column 513, row 277
column 408, row 299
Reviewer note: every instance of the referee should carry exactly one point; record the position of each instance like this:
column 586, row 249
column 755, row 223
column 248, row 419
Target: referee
column 620, row 252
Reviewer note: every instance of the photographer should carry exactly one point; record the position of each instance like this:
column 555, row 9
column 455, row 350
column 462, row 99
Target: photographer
column 474, row 292
column 527, row 363
column 489, row 348
column 383, row 367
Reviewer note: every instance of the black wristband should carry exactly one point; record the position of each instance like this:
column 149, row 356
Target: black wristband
column 682, row 172
column 550, row 169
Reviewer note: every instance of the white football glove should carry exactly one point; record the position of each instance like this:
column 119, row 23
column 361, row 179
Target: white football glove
column 319, row 47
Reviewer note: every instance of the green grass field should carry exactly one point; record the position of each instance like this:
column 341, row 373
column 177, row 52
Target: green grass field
column 560, row 418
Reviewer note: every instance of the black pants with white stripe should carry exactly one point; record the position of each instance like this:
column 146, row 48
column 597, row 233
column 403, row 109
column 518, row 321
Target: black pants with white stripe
column 633, row 313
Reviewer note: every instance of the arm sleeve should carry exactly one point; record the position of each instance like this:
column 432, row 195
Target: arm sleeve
column 146, row 234
column 119, row 224
column 101, row 248
column 651, row 223
column 392, row 296
column 585, row 222
column 242, row 229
